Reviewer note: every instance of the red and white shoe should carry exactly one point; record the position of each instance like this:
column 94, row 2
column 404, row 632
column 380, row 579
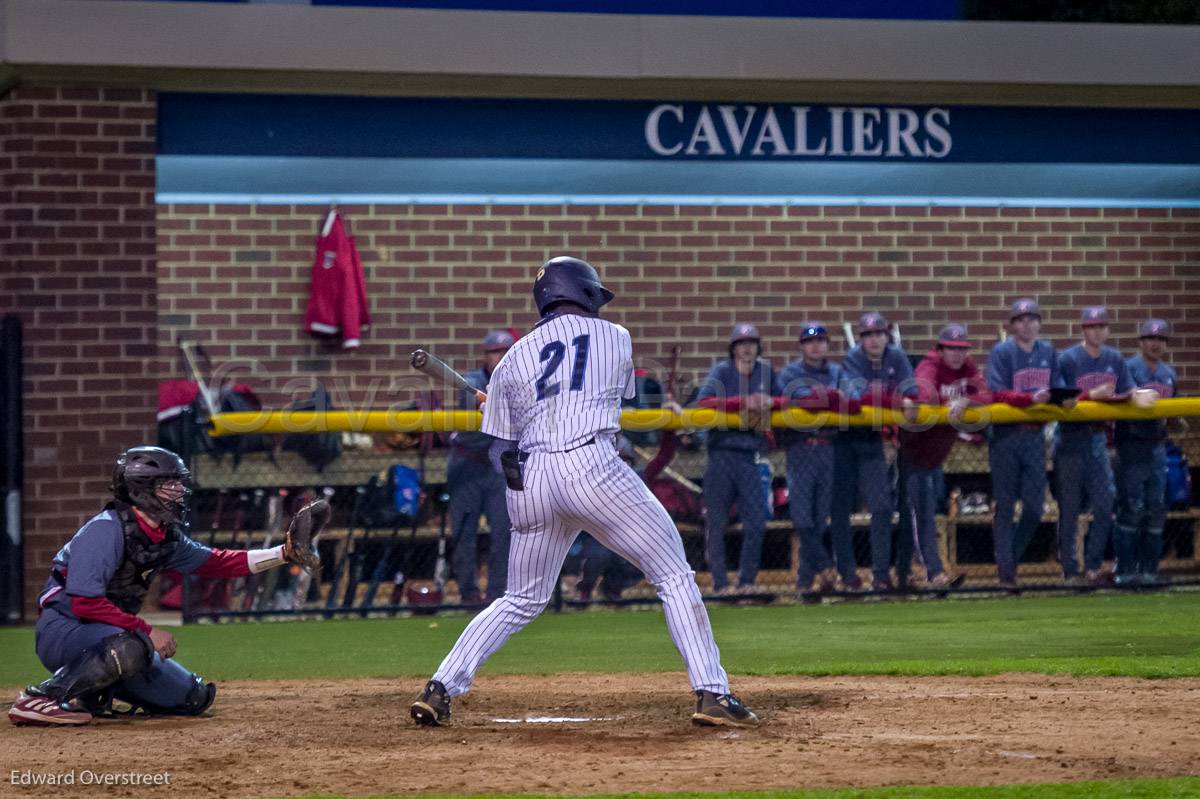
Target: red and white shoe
column 41, row 711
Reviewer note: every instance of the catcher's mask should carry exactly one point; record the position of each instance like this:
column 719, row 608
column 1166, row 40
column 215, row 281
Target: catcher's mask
column 154, row 480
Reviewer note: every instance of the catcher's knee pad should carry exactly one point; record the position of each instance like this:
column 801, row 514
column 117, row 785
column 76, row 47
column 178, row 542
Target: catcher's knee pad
column 117, row 657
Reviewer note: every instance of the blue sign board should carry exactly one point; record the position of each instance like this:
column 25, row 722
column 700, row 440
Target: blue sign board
column 371, row 127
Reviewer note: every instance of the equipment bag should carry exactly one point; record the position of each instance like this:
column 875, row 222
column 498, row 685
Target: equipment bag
column 1179, row 478
column 319, row 449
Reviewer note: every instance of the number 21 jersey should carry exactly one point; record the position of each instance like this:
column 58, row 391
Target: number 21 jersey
column 561, row 384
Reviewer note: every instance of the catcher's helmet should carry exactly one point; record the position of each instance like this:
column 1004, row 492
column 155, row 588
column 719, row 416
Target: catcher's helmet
column 567, row 279
column 139, row 473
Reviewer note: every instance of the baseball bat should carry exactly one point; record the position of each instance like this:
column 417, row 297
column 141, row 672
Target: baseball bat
column 224, row 591
column 305, row 577
column 356, row 559
column 242, row 584
column 441, row 372
column 646, row 454
column 198, row 590
column 341, row 552
column 262, row 588
column 381, row 567
column 189, row 357
column 672, row 369
column 439, row 568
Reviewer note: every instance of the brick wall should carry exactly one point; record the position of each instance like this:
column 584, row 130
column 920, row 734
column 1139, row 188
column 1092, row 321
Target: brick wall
column 77, row 236
column 441, row 276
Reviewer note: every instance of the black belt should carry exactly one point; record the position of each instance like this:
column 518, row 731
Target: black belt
column 525, row 455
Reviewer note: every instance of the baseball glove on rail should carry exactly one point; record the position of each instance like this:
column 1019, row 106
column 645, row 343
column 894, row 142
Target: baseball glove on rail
column 305, row 527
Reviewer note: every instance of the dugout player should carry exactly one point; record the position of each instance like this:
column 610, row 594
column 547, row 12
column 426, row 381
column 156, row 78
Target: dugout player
column 947, row 375
column 477, row 490
column 1081, row 464
column 1142, row 464
column 745, row 382
column 89, row 633
column 810, row 462
column 1017, row 452
column 555, row 405
column 875, row 371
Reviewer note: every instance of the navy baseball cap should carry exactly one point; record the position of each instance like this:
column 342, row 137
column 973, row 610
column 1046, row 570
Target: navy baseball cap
column 810, row 330
column 1154, row 328
column 872, row 323
column 497, row 340
column 1094, row 315
column 743, row 332
column 1025, row 306
column 953, row 336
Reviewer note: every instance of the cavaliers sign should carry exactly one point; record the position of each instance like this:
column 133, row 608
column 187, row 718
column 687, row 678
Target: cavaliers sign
column 798, row 131
column 666, row 130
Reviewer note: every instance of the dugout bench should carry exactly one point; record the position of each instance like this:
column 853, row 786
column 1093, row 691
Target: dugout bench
column 962, row 536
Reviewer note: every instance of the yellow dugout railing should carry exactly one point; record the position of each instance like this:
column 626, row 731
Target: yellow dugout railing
column 376, row 421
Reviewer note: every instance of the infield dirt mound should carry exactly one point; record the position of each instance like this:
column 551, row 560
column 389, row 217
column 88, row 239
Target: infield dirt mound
column 283, row 738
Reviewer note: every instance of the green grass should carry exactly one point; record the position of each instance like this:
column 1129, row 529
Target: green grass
column 1156, row 635
column 1177, row 788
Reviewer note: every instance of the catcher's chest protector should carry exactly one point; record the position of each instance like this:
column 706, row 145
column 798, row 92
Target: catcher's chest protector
column 143, row 558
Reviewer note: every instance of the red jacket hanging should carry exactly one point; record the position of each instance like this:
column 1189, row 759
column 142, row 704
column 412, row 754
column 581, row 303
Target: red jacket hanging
column 337, row 304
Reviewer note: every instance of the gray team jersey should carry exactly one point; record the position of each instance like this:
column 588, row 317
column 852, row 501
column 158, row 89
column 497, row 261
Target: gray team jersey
column 90, row 559
column 561, row 384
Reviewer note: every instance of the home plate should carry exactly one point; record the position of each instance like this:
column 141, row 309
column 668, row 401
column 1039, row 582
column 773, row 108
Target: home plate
column 551, row 720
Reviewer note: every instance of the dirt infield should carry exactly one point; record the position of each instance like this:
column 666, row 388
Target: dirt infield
column 355, row 737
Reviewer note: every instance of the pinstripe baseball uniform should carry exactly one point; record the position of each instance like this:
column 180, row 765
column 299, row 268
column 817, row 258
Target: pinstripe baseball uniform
column 558, row 393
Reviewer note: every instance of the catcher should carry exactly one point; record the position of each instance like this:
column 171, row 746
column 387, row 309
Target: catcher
column 89, row 634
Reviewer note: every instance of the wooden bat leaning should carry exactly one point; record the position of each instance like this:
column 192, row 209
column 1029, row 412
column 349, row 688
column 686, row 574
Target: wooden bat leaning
column 440, row 372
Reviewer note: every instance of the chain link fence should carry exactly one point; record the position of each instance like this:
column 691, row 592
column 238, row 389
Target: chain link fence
column 415, row 525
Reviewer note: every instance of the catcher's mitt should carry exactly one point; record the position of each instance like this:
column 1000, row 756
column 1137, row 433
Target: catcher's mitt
column 306, row 525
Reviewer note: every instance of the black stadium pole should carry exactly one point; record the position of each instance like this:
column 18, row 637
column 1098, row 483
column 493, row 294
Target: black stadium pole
column 12, row 548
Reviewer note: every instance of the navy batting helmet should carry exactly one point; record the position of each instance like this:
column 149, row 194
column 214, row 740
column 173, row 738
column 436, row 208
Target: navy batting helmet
column 567, row 279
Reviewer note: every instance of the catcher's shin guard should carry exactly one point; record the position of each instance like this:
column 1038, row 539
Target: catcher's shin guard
column 116, row 658
column 199, row 698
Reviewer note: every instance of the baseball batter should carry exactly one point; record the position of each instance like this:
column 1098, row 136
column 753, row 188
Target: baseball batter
column 555, row 401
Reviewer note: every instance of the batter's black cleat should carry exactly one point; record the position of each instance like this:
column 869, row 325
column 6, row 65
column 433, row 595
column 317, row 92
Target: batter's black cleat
column 722, row 710
column 432, row 706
